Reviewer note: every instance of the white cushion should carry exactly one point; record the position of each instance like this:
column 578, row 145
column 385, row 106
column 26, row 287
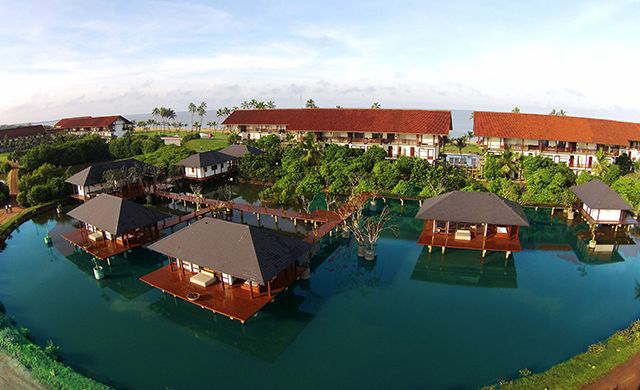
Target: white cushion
column 203, row 279
column 463, row 235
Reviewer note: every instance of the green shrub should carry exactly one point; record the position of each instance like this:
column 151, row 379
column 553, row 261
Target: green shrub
column 5, row 167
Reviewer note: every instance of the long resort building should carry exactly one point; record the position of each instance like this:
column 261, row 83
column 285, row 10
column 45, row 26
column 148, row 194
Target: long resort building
column 471, row 220
column 416, row 133
column 104, row 126
column 228, row 268
column 570, row 140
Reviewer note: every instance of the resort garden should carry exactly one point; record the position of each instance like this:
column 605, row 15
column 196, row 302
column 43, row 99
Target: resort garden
column 454, row 305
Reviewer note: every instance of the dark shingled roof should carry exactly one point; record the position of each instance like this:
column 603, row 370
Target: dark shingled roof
column 95, row 173
column 205, row 159
column 240, row 151
column 243, row 251
column 473, row 207
column 598, row 195
column 115, row 215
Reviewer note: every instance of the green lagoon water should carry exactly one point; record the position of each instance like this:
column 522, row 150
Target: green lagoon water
column 407, row 320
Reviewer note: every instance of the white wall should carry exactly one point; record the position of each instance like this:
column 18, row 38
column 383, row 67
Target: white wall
column 203, row 173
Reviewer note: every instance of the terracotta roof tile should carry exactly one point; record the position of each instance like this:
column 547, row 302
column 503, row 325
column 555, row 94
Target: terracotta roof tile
column 88, row 121
column 348, row 119
column 554, row 128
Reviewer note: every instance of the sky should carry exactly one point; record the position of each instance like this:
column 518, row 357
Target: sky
column 63, row 58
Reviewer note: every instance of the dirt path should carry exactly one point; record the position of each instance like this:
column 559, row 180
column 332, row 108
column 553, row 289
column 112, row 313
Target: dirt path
column 13, row 181
column 13, row 376
column 624, row 377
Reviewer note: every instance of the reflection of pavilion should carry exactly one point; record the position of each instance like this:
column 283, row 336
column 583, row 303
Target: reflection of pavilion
column 266, row 337
column 122, row 275
column 465, row 268
column 559, row 234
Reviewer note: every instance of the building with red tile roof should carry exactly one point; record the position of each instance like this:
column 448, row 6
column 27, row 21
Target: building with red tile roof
column 399, row 132
column 571, row 140
column 106, row 126
column 10, row 132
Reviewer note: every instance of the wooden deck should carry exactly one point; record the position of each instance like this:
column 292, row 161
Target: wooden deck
column 234, row 301
column 477, row 242
column 102, row 249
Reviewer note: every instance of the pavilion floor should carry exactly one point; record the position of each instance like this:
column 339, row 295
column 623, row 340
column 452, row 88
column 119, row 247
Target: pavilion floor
column 234, row 301
column 477, row 242
column 101, row 249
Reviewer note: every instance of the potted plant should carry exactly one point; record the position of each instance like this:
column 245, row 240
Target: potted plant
column 98, row 271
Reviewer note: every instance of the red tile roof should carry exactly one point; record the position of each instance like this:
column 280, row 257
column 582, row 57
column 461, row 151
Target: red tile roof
column 348, row 119
column 88, row 121
column 554, row 128
column 24, row 131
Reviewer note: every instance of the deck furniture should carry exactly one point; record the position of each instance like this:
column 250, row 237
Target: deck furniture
column 203, row 279
column 463, row 234
column 96, row 236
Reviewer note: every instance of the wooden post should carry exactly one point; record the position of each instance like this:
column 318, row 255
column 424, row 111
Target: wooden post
column 251, row 289
column 269, row 288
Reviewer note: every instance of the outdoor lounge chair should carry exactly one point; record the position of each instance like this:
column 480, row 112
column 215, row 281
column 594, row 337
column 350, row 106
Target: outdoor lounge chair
column 203, row 279
column 463, row 234
column 95, row 236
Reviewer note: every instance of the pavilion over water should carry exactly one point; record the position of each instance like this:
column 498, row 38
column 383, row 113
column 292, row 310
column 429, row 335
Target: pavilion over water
column 471, row 220
column 228, row 268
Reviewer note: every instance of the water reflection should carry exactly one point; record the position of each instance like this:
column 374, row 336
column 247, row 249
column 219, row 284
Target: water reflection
column 266, row 336
column 466, row 268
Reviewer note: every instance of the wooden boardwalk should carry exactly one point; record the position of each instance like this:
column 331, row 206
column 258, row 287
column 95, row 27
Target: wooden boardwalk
column 102, row 249
column 329, row 220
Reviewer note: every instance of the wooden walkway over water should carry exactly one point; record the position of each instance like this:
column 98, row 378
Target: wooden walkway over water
column 329, row 220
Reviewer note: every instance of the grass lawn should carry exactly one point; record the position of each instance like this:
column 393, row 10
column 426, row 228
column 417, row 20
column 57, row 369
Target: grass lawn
column 206, row 144
column 4, row 157
column 585, row 368
column 451, row 149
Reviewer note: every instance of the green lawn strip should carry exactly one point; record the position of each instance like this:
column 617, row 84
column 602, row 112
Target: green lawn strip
column 40, row 362
column 584, row 368
column 12, row 222
column 4, row 157
column 206, row 144
column 451, row 149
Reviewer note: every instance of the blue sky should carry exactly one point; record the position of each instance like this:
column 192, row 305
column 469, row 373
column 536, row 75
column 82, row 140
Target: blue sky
column 65, row 58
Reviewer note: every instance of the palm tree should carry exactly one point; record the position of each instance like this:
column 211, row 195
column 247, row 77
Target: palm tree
column 560, row 112
column 508, row 162
column 202, row 111
column 376, row 106
column 270, row 105
column 516, row 110
column 460, row 143
column 601, row 162
column 212, row 124
column 311, row 150
column 192, row 108
column 311, row 104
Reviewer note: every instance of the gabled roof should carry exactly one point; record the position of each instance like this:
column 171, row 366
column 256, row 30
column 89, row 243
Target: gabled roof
column 115, row 215
column 243, row 251
column 240, row 151
column 89, row 121
column 348, row 119
column 554, row 128
column 598, row 195
column 24, row 131
column 94, row 174
column 205, row 159
column 473, row 207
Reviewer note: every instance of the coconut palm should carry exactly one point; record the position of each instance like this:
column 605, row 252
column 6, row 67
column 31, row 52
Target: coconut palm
column 516, row 110
column 192, row 108
column 311, row 104
column 460, row 143
column 212, row 124
column 601, row 163
column 508, row 162
column 270, row 105
column 202, row 112
column 376, row 105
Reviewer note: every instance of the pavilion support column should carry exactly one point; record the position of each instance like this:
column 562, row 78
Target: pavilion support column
column 181, row 264
column 251, row 289
column 269, row 288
